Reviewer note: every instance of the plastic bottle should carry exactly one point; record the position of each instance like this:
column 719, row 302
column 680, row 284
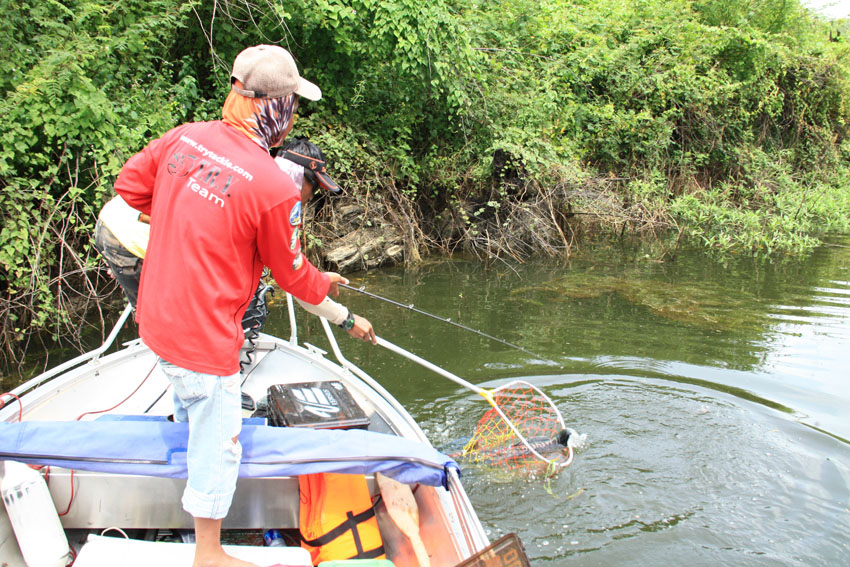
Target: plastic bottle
column 33, row 517
column 273, row 538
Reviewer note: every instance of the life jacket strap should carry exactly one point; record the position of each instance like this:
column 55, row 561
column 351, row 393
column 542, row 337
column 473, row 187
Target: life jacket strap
column 350, row 523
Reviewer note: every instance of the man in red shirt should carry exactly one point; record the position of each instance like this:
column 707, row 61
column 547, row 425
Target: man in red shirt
column 223, row 210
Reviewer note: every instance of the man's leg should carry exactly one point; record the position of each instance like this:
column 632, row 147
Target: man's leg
column 208, row 550
column 213, row 407
column 125, row 267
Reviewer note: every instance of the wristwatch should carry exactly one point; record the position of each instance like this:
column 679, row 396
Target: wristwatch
column 348, row 324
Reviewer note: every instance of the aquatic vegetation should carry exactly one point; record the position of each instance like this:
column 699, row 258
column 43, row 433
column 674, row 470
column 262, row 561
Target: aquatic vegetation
column 699, row 304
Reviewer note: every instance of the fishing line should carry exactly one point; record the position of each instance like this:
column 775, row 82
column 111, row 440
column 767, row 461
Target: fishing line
column 411, row 307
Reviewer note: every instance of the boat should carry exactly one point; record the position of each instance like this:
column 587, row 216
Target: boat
column 97, row 429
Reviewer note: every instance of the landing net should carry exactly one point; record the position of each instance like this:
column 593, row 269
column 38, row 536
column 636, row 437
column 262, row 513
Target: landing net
column 522, row 430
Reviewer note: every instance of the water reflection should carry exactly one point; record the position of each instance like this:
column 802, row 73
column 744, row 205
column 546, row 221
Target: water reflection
column 714, row 396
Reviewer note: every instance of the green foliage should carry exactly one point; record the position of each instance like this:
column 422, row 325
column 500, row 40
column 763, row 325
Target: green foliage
column 84, row 88
column 767, row 210
column 726, row 119
column 693, row 103
column 392, row 71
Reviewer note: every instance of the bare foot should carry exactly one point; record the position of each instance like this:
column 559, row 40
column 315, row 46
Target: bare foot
column 208, row 550
column 221, row 559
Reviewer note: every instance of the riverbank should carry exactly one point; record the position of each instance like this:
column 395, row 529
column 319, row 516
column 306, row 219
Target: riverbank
column 501, row 130
column 772, row 217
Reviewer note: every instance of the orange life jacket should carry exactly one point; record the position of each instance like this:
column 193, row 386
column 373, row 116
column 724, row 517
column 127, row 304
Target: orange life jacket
column 337, row 519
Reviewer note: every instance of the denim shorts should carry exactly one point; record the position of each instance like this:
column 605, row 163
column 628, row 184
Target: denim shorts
column 213, row 407
column 126, row 267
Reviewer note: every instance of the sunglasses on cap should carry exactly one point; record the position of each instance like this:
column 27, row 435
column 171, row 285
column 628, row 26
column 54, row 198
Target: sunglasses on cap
column 318, row 168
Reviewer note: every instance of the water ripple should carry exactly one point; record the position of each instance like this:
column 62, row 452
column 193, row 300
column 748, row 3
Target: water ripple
column 670, row 462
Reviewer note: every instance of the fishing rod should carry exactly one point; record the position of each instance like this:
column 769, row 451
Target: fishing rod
column 411, row 307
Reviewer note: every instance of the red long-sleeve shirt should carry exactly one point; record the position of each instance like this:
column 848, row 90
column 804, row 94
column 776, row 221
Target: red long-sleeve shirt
column 220, row 210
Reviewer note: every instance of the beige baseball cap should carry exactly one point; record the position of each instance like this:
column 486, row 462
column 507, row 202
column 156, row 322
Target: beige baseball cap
column 269, row 71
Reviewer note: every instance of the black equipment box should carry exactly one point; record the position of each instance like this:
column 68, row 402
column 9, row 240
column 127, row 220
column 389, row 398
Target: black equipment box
column 318, row 405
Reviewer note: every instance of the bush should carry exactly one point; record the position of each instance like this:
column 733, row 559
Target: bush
column 489, row 124
column 83, row 90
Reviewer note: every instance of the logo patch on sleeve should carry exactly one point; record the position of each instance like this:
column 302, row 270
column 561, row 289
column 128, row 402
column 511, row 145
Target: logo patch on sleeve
column 295, row 214
column 298, row 262
column 293, row 242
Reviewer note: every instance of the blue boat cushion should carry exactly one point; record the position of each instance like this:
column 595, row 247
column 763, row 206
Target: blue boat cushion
column 136, row 417
column 158, row 448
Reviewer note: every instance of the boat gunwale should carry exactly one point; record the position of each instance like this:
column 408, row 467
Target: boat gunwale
column 455, row 507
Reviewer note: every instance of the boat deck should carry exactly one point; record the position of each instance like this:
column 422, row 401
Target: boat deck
column 129, row 383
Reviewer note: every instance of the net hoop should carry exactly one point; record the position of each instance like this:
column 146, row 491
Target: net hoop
column 487, row 431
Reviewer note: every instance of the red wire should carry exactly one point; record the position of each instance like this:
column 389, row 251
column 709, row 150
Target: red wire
column 47, row 472
column 71, row 500
column 47, row 480
column 2, row 404
column 122, row 401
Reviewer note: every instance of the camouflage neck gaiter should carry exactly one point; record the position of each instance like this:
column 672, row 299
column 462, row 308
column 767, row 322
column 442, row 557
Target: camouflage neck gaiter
column 264, row 120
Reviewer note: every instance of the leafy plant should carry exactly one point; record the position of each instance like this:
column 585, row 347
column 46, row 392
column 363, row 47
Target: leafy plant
column 84, row 89
column 508, row 128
